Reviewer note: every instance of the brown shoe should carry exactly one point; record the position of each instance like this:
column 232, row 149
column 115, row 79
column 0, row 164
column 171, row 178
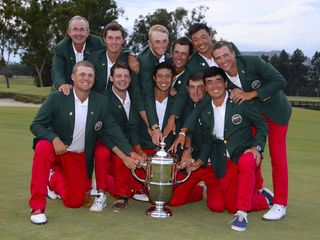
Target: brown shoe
column 119, row 205
column 88, row 200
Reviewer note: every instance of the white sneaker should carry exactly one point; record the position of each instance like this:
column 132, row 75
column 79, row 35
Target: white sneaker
column 38, row 217
column 100, row 202
column 275, row 213
column 141, row 197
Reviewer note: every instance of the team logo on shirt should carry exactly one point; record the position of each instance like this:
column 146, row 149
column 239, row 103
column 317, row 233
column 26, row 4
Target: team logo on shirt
column 236, row 119
column 256, row 84
column 98, row 126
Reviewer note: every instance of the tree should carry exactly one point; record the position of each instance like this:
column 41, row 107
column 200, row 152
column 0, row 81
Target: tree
column 315, row 72
column 299, row 71
column 177, row 22
column 9, row 33
column 37, row 37
column 98, row 12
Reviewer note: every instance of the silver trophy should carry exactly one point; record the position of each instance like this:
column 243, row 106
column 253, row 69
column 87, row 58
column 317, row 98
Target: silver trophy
column 161, row 171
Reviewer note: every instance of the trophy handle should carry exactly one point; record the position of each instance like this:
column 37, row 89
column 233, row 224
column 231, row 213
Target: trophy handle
column 143, row 165
column 185, row 179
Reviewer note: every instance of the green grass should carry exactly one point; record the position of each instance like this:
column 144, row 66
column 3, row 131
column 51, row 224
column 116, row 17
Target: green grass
column 299, row 98
column 23, row 85
column 193, row 221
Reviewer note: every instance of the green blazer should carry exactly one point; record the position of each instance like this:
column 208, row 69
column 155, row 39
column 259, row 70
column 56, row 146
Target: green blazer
column 99, row 60
column 148, row 63
column 182, row 92
column 120, row 116
column 239, row 119
column 256, row 74
column 198, row 64
column 197, row 138
column 143, row 138
column 56, row 119
column 64, row 58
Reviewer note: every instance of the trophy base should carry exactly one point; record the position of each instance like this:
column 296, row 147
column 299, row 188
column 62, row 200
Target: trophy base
column 159, row 212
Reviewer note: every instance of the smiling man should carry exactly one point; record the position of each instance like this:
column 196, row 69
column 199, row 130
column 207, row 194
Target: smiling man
column 149, row 58
column 75, row 47
column 66, row 137
column 256, row 80
column 233, row 151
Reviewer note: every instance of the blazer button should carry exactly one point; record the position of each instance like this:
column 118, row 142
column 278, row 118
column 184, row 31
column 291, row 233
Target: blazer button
column 225, row 141
column 224, row 155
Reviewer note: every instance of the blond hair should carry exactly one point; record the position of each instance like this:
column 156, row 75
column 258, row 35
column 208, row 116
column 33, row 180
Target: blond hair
column 157, row 28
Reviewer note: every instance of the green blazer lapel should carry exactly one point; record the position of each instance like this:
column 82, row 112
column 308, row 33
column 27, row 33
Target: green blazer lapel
column 91, row 114
column 242, row 73
column 228, row 113
column 71, row 55
column 168, row 111
column 71, row 110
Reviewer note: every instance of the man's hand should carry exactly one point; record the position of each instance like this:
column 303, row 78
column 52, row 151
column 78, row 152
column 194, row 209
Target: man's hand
column 156, row 136
column 171, row 126
column 256, row 154
column 132, row 160
column 142, row 154
column 180, row 140
column 65, row 88
column 133, row 63
column 173, row 91
column 239, row 96
column 58, row 146
column 196, row 165
column 186, row 159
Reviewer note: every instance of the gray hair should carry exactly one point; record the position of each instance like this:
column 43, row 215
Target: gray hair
column 77, row 17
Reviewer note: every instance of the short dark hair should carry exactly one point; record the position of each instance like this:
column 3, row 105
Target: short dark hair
column 183, row 41
column 222, row 43
column 214, row 71
column 198, row 76
column 163, row 65
column 119, row 65
column 114, row 26
column 198, row 26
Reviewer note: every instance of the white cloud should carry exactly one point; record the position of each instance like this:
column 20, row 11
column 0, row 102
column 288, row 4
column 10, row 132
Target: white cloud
column 252, row 25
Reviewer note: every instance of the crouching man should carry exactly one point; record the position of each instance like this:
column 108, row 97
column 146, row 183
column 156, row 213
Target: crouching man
column 66, row 130
column 234, row 152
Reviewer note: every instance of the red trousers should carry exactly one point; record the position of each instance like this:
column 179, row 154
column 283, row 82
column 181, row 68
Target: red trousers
column 70, row 179
column 112, row 175
column 103, row 167
column 190, row 191
column 278, row 152
column 238, row 186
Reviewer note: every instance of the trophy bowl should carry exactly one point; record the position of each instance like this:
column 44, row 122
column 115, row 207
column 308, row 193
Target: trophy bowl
column 161, row 171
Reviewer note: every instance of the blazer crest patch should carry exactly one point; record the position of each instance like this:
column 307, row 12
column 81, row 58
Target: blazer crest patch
column 255, row 84
column 236, row 119
column 98, row 126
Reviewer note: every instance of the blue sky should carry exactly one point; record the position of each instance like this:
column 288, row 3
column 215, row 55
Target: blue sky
column 252, row 25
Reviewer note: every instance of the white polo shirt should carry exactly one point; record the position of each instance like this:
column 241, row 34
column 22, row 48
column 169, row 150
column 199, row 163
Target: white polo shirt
column 161, row 110
column 211, row 62
column 79, row 56
column 126, row 103
column 235, row 80
column 80, row 120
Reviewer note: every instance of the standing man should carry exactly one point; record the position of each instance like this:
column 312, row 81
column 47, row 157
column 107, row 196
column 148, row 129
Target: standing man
column 254, row 79
column 114, row 38
column 233, row 151
column 149, row 58
column 66, row 136
column 75, row 47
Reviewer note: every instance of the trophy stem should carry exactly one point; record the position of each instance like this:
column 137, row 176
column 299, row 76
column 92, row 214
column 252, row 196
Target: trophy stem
column 159, row 211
